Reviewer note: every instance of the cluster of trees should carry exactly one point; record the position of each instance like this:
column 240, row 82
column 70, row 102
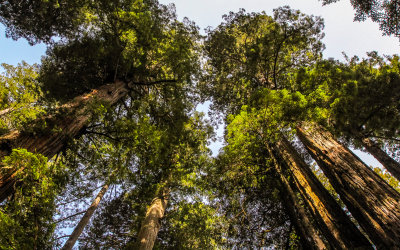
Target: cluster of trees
column 101, row 144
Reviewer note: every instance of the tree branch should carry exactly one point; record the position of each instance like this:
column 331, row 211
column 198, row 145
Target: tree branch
column 154, row 83
column 73, row 215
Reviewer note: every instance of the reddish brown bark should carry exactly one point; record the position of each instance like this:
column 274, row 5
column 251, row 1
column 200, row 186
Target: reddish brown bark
column 152, row 222
column 309, row 236
column 371, row 201
column 332, row 221
column 387, row 162
column 69, row 244
column 70, row 119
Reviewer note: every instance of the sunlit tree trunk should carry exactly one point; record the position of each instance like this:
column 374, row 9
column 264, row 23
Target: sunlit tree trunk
column 5, row 111
column 58, row 129
column 69, row 244
column 309, row 236
column 152, row 222
column 333, row 222
column 387, row 162
column 371, row 201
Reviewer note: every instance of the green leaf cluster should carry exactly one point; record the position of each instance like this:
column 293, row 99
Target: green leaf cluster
column 19, row 96
column 26, row 220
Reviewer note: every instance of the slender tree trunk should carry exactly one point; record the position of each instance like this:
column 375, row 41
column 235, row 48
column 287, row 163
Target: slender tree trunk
column 152, row 222
column 333, row 222
column 69, row 121
column 388, row 162
column 85, row 220
column 372, row 202
column 309, row 236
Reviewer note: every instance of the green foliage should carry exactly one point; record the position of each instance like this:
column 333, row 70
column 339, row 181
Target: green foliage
column 139, row 42
column 160, row 156
column 26, row 219
column 41, row 20
column 19, row 96
column 354, row 98
column 388, row 178
column 191, row 225
column 252, row 51
column 246, row 190
column 385, row 13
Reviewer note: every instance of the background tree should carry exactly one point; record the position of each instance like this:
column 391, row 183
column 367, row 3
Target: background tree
column 385, row 13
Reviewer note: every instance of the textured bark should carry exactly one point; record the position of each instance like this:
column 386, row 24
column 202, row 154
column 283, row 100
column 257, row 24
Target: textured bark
column 152, row 222
column 332, row 221
column 69, row 244
column 310, row 238
column 5, row 111
column 69, row 121
column 388, row 162
column 371, row 201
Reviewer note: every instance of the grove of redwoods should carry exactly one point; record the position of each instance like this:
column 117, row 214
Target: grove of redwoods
column 101, row 145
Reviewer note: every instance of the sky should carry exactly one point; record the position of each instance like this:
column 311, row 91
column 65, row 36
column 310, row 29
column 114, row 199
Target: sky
column 341, row 33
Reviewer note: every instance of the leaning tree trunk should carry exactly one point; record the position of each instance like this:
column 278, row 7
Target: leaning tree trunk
column 309, row 236
column 69, row 121
column 372, row 202
column 152, row 222
column 69, row 244
column 387, row 162
column 333, row 222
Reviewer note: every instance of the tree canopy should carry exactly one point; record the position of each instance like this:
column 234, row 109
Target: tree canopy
column 103, row 136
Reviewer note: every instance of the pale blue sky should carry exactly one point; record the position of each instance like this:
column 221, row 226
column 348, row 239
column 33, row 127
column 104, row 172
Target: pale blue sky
column 341, row 33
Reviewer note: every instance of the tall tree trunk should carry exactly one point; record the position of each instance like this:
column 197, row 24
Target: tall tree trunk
column 372, row 202
column 85, row 220
column 69, row 121
column 388, row 162
column 309, row 236
column 152, row 222
column 333, row 222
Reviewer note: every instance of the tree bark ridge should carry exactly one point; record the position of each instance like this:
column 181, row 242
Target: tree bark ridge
column 309, row 236
column 392, row 166
column 371, row 201
column 336, row 226
column 152, row 222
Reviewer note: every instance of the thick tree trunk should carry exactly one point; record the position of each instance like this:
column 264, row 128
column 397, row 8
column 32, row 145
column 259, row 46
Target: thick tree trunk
column 69, row 244
column 333, row 222
column 309, row 236
column 152, row 222
column 69, row 121
column 59, row 129
column 388, row 162
column 372, row 202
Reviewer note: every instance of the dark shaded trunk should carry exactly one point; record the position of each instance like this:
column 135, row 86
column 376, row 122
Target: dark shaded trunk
column 392, row 166
column 152, row 222
column 69, row 244
column 372, row 202
column 57, row 130
column 309, row 236
column 332, row 221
